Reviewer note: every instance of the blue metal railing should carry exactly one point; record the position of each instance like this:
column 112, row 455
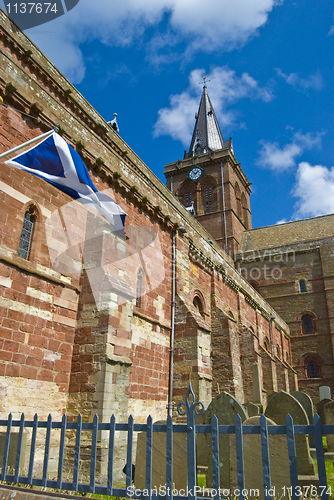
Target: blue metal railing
column 190, row 429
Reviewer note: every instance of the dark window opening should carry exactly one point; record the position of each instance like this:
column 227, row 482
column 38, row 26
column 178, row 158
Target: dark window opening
column 302, row 286
column 307, row 324
column 208, row 200
column 26, row 235
column 198, row 304
column 312, row 369
column 139, row 288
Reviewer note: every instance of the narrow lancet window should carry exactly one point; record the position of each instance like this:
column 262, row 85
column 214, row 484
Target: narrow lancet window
column 26, row 234
column 208, row 200
column 139, row 288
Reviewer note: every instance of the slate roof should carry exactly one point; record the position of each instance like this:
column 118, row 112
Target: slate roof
column 207, row 135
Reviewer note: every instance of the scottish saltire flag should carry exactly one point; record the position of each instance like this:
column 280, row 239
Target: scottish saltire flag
column 58, row 163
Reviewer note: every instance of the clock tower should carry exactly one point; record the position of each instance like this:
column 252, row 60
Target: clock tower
column 210, row 182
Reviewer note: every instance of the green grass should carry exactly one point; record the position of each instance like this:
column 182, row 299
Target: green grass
column 329, row 474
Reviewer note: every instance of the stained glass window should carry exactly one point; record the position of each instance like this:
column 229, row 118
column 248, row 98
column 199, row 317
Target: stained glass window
column 26, row 235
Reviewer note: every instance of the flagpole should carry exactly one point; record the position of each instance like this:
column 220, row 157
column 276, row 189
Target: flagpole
column 2, row 155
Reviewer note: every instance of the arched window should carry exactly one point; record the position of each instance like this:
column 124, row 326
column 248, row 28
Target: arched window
column 244, row 210
column 238, row 200
column 302, row 286
column 27, row 232
column 189, row 199
column 311, row 364
column 198, row 302
column 266, row 344
column 208, row 193
column 139, row 288
column 187, row 194
column 307, row 324
column 312, row 369
column 208, row 200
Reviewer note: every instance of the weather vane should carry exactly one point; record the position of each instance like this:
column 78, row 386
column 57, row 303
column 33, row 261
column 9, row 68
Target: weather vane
column 204, row 80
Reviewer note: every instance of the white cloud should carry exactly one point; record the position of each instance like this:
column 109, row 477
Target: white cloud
column 282, row 221
column 222, row 25
column 225, row 89
column 315, row 189
column 314, row 82
column 280, row 159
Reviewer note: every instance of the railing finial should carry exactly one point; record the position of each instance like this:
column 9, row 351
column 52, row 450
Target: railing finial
column 190, row 406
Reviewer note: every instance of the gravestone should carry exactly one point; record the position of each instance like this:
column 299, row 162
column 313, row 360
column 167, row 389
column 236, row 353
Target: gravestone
column 226, row 408
column 324, row 392
column 159, row 459
column 280, row 405
column 278, row 456
column 329, row 420
column 252, row 409
column 14, row 437
column 320, row 409
column 307, row 403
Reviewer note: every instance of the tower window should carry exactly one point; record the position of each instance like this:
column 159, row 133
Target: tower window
column 312, row 369
column 208, row 199
column 209, row 195
column 302, row 286
column 188, row 198
column 307, row 325
column 26, row 234
column 139, row 288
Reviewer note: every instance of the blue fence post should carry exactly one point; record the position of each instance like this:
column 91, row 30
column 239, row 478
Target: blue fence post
column 240, row 457
column 265, row 457
column 320, row 457
column 111, row 454
column 6, row 450
column 93, row 454
column 32, row 449
column 215, row 457
column 47, row 450
column 290, row 435
column 61, row 452
column 129, row 453
column 191, row 438
column 169, row 458
column 19, row 448
column 149, row 445
column 77, row 453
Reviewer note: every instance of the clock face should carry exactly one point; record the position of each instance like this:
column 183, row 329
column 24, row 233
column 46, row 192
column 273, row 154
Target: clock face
column 195, row 174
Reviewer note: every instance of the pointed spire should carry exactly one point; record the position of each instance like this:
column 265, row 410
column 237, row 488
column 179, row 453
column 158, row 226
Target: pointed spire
column 207, row 135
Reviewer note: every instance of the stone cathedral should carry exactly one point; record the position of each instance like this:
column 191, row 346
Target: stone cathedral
column 87, row 316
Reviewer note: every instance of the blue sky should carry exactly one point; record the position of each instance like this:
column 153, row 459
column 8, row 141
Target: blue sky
column 271, row 72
